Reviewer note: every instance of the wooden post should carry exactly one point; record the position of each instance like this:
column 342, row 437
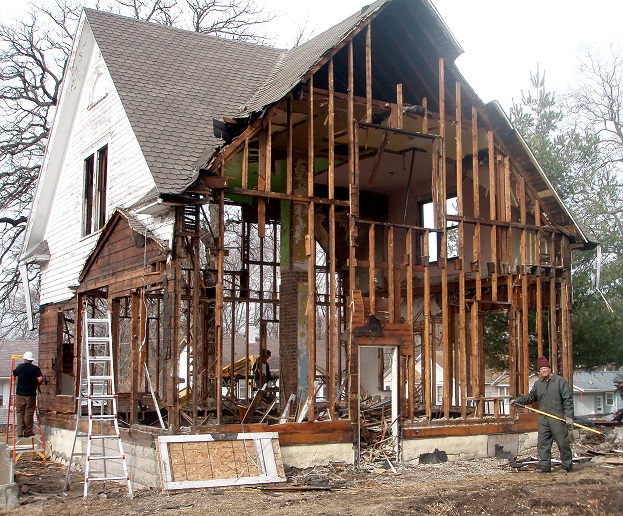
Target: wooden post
column 462, row 380
column 426, row 341
column 539, row 293
column 218, row 312
column 411, row 357
column 310, row 139
column 525, row 365
column 135, row 366
column 311, row 309
column 369, row 73
column 245, row 164
column 390, row 275
column 493, row 217
column 371, row 268
column 289, row 161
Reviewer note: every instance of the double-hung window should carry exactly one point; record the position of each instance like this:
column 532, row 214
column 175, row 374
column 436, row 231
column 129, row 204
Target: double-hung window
column 94, row 197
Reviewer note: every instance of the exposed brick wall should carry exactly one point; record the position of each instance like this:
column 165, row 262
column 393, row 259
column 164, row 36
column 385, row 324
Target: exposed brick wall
column 288, row 331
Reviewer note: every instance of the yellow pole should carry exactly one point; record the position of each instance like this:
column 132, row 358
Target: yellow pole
column 560, row 419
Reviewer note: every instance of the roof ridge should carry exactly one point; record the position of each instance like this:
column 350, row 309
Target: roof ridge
column 100, row 12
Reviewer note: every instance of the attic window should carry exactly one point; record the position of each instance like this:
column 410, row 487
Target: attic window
column 94, row 198
column 98, row 89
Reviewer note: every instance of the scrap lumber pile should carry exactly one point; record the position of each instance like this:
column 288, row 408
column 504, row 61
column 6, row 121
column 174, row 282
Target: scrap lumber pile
column 377, row 442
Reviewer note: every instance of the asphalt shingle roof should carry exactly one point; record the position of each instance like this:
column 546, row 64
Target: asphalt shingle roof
column 594, row 380
column 298, row 61
column 172, row 83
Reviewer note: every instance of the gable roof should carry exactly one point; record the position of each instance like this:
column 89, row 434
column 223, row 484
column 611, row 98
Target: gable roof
column 172, row 83
column 141, row 230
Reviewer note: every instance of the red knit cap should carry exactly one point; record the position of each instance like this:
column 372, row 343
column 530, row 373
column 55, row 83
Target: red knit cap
column 543, row 362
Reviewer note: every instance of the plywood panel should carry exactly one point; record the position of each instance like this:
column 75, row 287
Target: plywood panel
column 211, row 460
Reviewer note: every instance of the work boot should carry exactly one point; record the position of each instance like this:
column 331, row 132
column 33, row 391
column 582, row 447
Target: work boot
column 372, row 329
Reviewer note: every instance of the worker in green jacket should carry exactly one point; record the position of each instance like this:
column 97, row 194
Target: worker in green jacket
column 555, row 397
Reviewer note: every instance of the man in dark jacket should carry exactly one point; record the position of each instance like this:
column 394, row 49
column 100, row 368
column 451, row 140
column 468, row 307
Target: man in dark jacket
column 555, row 397
column 29, row 377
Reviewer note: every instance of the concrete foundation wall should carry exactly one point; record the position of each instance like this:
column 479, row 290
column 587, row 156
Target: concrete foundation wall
column 307, row 456
column 9, row 496
column 470, row 447
column 144, row 469
column 142, row 461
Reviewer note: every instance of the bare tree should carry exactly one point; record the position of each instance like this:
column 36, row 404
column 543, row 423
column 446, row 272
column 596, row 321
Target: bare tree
column 33, row 52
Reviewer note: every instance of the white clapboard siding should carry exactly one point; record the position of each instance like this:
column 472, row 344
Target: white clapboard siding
column 95, row 124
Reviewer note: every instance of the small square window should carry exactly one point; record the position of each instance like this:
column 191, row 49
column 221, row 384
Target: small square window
column 610, row 398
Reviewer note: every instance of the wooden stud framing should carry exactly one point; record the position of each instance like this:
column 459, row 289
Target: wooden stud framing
column 311, row 308
column 245, row 164
column 493, row 217
column 372, row 267
column 369, row 73
column 426, row 340
column 525, row 366
column 391, row 287
column 445, row 338
column 462, row 380
column 289, row 162
column 310, row 139
column 553, row 323
column 539, row 292
column 218, row 312
column 411, row 357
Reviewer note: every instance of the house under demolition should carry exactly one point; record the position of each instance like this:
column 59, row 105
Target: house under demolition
column 351, row 199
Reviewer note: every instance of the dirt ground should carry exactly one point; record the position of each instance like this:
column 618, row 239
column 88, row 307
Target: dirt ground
column 486, row 486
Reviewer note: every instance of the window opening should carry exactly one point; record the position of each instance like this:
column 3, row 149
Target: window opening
column 95, row 179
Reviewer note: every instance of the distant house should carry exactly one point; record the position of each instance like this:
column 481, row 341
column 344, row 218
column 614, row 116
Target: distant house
column 9, row 348
column 594, row 393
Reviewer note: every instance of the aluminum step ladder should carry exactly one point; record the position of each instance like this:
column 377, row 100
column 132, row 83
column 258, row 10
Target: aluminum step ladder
column 22, row 445
column 98, row 396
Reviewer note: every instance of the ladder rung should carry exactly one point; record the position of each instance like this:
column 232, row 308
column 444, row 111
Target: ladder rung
column 101, row 396
column 104, row 416
column 104, row 436
column 100, row 359
column 98, row 340
column 105, row 479
column 100, row 378
column 105, row 457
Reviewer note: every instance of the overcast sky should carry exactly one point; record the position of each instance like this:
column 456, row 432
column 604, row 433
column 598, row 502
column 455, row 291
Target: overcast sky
column 503, row 40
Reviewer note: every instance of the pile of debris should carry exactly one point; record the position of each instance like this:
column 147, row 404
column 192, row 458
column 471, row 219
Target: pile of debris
column 377, row 444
